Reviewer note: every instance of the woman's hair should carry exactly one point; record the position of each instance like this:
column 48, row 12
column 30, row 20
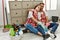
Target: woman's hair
column 38, row 5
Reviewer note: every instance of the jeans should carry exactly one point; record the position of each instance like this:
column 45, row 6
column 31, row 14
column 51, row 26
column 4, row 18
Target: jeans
column 54, row 26
column 35, row 30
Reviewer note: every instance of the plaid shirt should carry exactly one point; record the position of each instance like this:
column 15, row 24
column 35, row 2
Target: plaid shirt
column 35, row 15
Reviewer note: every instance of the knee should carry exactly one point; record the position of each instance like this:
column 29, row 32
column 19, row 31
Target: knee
column 56, row 24
column 27, row 25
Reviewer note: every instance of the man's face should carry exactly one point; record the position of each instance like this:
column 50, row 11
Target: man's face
column 41, row 6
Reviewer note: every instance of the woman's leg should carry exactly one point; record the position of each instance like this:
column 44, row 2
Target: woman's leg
column 32, row 29
column 53, row 27
column 40, row 29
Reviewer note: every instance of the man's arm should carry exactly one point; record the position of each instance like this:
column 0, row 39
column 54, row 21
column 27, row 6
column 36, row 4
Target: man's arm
column 46, row 16
column 47, row 19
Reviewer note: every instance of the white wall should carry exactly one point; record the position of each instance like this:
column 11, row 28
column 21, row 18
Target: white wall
column 50, row 13
column 55, row 12
column 58, row 9
column 1, row 14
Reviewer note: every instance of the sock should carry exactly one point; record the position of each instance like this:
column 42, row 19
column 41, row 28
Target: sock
column 46, row 36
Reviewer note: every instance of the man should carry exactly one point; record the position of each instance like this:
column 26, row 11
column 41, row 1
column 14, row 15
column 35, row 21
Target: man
column 44, row 19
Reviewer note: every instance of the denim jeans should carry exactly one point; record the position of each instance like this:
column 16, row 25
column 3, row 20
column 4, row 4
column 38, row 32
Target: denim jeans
column 54, row 26
column 35, row 30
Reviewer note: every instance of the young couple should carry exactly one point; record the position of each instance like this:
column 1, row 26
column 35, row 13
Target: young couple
column 37, row 20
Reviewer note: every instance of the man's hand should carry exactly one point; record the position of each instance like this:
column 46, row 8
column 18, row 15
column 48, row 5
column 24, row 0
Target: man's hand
column 39, row 23
column 43, row 26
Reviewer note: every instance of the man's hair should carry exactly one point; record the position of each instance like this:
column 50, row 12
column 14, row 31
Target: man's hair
column 38, row 5
column 41, row 3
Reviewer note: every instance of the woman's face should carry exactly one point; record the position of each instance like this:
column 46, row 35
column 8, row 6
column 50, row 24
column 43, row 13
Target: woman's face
column 37, row 8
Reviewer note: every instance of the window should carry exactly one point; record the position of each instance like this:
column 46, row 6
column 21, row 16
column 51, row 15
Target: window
column 50, row 4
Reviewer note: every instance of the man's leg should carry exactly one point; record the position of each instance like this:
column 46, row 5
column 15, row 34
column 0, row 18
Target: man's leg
column 53, row 27
column 32, row 29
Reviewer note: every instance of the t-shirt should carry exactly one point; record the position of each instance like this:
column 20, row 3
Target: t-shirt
column 39, row 14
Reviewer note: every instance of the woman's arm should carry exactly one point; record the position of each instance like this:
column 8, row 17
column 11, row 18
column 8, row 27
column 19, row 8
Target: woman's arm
column 34, row 19
column 30, row 15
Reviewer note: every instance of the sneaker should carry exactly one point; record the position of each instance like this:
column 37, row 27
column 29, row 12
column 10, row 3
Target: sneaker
column 53, row 34
column 25, row 31
column 46, row 36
